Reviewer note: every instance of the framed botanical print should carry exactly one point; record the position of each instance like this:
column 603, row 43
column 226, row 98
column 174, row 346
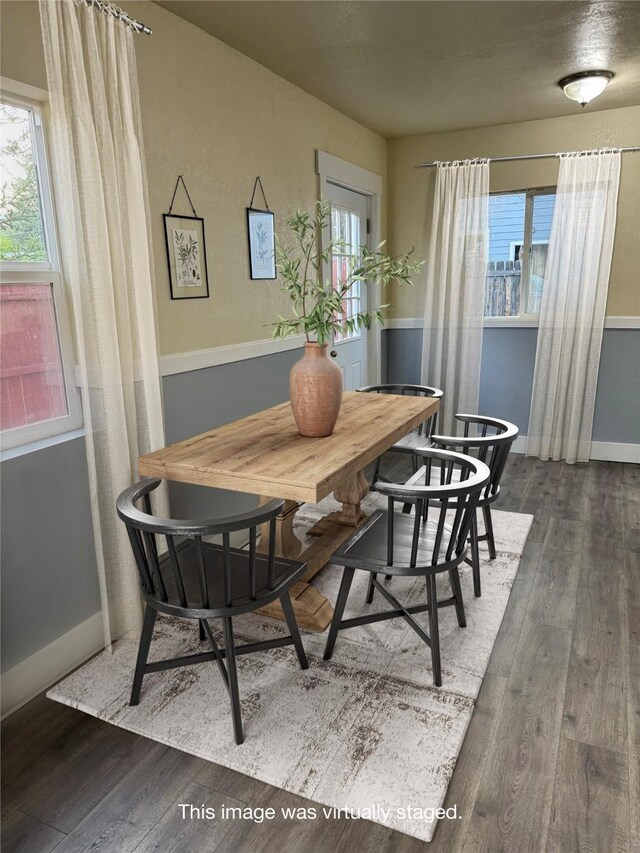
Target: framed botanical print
column 262, row 243
column 186, row 256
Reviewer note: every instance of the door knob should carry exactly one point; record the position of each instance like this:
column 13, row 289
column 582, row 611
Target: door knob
column 333, row 354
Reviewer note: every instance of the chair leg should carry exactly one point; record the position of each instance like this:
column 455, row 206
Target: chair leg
column 234, row 695
column 454, row 577
column 143, row 653
column 345, row 586
column 475, row 557
column 434, row 633
column 203, row 636
column 290, row 616
column 371, row 588
column 488, row 526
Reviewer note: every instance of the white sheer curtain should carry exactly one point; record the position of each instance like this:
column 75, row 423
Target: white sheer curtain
column 456, row 270
column 573, row 306
column 100, row 182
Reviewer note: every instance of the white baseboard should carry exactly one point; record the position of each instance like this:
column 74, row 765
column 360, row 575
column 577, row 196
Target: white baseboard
column 519, row 445
column 602, row 451
column 48, row 665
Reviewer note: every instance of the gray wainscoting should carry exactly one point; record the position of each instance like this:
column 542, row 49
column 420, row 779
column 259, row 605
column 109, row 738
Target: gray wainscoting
column 506, row 374
column 506, row 379
column 49, row 578
column 617, row 415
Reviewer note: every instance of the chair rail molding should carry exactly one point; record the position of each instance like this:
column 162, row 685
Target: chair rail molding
column 183, row 362
column 611, row 322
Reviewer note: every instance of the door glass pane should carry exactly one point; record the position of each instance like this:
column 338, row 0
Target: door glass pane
column 31, row 376
column 22, row 235
column 506, row 241
column 345, row 233
column 542, row 215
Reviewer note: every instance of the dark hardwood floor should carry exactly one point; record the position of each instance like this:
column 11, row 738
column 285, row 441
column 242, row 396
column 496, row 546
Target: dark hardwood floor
column 551, row 761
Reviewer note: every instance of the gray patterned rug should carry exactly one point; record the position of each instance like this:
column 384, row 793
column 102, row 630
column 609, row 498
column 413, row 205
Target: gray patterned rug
column 366, row 732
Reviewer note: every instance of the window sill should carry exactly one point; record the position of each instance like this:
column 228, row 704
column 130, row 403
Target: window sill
column 510, row 322
column 41, row 444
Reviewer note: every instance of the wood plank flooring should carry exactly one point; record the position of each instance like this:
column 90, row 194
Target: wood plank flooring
column 551, row 760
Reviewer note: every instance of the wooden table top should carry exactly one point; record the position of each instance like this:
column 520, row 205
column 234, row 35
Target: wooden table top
column 264, row 454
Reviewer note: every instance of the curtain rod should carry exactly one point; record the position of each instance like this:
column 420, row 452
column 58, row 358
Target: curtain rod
column 116, row 12
column 520, row 157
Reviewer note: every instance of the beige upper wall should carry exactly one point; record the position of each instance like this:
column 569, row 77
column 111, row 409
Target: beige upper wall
column 411, row 190
column 220, row 119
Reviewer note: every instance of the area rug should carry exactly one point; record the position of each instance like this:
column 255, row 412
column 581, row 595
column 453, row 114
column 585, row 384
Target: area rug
column 366, row 733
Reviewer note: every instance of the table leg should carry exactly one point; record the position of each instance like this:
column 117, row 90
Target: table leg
column 336, row 527
column 350, row 493
column 287, row 543
column 312, row 610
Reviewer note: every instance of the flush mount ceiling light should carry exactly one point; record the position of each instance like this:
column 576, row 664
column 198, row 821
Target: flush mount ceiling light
column 585, row 86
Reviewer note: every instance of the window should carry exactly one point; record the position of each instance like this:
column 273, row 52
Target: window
column 519, row 228
column 37, row 394
column 346, row 256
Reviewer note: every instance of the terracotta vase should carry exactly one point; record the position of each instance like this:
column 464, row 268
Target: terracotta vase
column 315, row 390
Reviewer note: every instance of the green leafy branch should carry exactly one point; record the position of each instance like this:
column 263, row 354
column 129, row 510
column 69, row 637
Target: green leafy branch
column 317, row 304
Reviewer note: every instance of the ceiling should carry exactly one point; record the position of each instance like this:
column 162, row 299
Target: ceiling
column 404, row 68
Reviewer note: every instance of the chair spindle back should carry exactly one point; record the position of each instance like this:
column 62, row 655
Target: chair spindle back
column 443, row 511
column 427, row 427
column 191, row 587
column 488, row 440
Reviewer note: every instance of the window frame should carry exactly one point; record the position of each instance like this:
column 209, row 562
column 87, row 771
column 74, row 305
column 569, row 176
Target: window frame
column 524, row 317
column 45, row 272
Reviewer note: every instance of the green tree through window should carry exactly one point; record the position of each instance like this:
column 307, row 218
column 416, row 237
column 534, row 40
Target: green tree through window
column 21, row 228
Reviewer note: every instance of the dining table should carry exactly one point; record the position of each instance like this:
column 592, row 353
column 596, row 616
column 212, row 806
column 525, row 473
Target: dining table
column 263, row 454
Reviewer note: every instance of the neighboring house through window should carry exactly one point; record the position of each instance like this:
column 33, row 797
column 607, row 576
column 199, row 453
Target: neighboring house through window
column 519, row 229
column 38, row 398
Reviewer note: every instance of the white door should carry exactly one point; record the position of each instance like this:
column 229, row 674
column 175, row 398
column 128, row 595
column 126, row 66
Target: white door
column 349, row 227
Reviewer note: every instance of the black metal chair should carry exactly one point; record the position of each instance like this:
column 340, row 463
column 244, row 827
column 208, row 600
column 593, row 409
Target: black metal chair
column 426, row 543
column 491, row 444
column 200, row 580
column 419, row 438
